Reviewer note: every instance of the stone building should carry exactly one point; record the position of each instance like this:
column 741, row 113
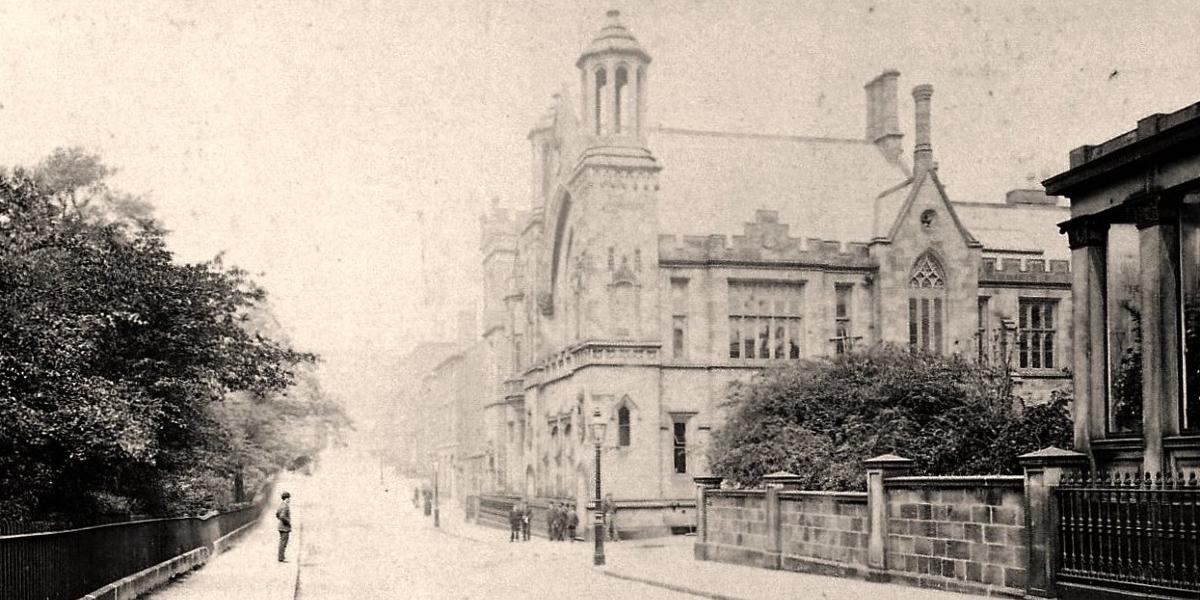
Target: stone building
column 1134, row 235
column 655, row 265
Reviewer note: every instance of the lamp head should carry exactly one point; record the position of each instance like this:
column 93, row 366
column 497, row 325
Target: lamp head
column 597, row 427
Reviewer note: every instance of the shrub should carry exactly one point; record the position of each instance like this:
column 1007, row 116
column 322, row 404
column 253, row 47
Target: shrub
column 821, row 418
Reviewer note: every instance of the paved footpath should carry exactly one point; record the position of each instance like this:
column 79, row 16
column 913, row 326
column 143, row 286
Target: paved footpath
column 361, row 539
column 249, row 570
column 668, row 563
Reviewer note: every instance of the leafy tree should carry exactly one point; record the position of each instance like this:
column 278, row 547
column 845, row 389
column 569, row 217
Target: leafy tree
column 821, row 418
column 115, row 361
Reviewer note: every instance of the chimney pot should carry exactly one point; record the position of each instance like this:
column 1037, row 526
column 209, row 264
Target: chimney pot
column 922, row 147
column 883, row 123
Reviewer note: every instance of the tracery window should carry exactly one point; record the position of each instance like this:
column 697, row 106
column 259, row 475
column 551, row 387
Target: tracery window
column 926, row 304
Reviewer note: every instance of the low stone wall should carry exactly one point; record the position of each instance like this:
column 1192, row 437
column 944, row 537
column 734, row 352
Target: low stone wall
column 738, row 519
column 960, row 533
column 965, row 534
column 830, row 527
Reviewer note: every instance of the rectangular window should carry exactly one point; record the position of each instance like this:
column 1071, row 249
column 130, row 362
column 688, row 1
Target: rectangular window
column 1035, row 334
column 679, row 312
column 764, row 320
column 680, row 447
column 679, row 336
column 1123, row 304
column 1189, row 313
column 982, row 332
column 841, row 327
column 735, row 338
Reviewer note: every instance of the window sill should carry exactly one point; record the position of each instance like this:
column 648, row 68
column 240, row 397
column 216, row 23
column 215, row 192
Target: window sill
column 1116, row 444
column 1185, row 440
column 1042, row 373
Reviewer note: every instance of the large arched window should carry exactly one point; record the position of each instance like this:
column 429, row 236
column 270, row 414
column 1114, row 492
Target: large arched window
column 623, row 437
column 926, row 304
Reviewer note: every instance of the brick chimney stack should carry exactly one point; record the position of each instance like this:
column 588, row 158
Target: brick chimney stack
column 883, row 123
column 922, row 148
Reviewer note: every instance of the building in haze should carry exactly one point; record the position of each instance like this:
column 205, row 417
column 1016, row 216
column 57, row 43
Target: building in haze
column 655, row 265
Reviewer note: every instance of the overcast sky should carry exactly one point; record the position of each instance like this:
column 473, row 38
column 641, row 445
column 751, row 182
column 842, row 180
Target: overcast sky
column 309, row 139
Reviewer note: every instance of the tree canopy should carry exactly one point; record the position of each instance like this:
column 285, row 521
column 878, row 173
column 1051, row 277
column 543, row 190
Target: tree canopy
column 821, row 418
column 129, row 381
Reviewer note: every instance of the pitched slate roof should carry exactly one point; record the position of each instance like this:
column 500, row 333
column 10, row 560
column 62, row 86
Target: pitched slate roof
column 712, row 183
column 1016, row 228
column 827, row 188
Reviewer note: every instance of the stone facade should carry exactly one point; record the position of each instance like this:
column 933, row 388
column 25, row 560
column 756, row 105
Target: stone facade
column 654, row 266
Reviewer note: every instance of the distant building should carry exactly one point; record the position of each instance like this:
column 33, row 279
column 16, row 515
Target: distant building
column 655, row 265
column 1135, row 239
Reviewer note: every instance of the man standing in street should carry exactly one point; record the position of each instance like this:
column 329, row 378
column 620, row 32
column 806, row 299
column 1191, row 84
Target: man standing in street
column 515, row 516
column 610, row 517
column 526, row 518
column 284, row 514
column 572, row 523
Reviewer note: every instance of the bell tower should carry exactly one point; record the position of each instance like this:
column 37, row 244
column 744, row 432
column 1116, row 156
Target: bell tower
column 603, row 260
column 612, row 72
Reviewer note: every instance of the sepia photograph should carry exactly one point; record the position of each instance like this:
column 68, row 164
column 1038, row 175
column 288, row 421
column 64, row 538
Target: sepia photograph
column 599, row 299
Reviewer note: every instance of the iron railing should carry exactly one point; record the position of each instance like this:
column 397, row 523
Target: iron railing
column 1131, row 532
column 63, row 565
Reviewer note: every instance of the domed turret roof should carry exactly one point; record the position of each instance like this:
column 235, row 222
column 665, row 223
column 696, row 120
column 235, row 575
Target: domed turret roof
column 614, row 38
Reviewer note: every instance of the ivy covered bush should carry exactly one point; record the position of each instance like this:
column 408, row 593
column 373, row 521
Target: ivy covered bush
column 821, row 418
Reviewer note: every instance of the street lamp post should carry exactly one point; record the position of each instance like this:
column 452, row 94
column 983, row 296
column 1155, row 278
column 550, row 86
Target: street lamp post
column 597, row 426
column 435, row 494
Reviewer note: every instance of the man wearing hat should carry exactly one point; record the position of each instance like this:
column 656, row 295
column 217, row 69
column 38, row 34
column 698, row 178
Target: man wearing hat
column 284, row 514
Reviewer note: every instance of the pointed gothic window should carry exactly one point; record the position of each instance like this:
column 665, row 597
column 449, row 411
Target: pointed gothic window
column 623, row 437
column 926, row 304
column 926, row 273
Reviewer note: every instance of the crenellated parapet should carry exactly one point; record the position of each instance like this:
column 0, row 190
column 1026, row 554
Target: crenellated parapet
column 1024, row 272
column 765, row 241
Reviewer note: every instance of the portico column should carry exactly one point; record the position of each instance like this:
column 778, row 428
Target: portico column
column 1087, row 240
column 1157, row 241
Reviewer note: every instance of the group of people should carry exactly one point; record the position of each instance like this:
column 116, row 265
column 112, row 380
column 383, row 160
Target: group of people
column 518, row 522
column 561, row 522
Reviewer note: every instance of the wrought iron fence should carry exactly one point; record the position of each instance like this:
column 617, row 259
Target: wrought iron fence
column 68, row 564
column 1133, row 532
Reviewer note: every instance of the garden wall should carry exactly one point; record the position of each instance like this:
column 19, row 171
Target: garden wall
column 965, row 534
